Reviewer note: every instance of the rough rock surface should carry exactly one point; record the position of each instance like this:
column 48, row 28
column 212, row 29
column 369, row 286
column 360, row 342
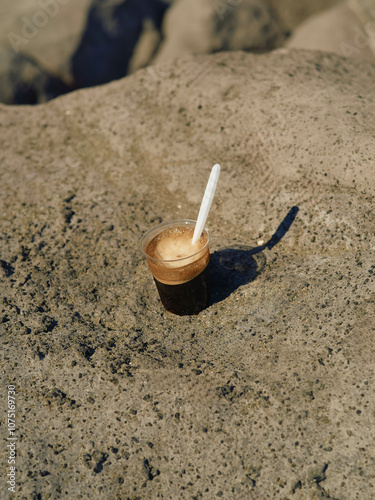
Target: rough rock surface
column 269, row 392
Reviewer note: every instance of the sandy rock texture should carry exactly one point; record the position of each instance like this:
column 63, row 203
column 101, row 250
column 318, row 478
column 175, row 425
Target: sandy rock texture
column 269, row 392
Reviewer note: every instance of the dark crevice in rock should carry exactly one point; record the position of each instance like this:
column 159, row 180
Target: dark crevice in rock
column 7, row 268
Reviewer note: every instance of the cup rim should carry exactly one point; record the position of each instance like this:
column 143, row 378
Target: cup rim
column 172, row 223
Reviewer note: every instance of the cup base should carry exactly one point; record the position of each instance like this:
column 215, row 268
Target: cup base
column 187, row 298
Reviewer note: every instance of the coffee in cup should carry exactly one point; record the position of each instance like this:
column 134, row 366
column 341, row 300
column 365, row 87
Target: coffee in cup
column 179, row 266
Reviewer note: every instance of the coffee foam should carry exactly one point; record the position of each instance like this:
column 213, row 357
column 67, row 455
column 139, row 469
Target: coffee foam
column 180, row 259
column 176, row 243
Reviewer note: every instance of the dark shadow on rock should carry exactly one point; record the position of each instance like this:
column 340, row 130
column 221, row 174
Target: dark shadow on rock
column 111, row 34
column 24, row 81
column 40, row 90
column 231, row 268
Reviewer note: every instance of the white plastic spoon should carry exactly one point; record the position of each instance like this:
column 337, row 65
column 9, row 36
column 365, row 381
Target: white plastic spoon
column 206, row 202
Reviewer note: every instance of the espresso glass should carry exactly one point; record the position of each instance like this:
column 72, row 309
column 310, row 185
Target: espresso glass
column 182, row 282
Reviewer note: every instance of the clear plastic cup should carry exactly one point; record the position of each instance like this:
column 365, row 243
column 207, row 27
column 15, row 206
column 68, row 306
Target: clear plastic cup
column 179, row 267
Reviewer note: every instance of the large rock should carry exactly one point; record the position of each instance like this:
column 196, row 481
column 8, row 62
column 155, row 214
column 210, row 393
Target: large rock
column 73, row 46
column 47, row 31
column 347, row 29
column 269, row 392
column 37, row 40
column 54, row 46
column 205, row 26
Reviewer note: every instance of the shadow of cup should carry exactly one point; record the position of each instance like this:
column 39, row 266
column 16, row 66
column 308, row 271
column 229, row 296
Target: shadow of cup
column 231, row 268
